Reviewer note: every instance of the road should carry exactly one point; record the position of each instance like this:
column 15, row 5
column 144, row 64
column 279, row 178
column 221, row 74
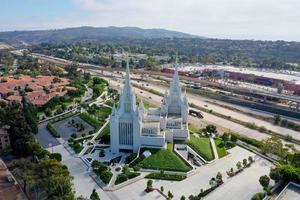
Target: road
column 222, row 124
column 200, row 101
column 208, row 118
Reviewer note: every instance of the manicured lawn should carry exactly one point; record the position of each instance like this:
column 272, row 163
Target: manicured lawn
column 164, row 159
column 193, row 129
column 202, row 146
column 105, row 134
column 220, row 148
column 90, row 119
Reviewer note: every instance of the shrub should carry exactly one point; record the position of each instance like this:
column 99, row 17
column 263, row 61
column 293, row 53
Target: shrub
column 130, row 158
column 164, row 176
column 258, row 196
column 52, row 130
column 56, row 156
column 105, row 176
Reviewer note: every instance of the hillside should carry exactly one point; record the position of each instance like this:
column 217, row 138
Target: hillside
column 68, row 35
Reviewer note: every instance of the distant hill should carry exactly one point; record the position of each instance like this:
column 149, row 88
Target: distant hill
column 88, row 33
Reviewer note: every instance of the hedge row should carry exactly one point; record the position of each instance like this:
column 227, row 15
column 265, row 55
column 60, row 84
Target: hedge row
column 163, row 176
column 52, row 130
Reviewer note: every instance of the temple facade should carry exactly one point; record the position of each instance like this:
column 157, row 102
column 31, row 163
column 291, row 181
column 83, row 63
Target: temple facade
column 133, row 127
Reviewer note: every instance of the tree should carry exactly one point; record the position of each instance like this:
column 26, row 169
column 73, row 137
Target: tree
column 275, row 174
column 162, row 188
column 72, row 71
column 264, row 181
column 182, row 197
column 170, row 195
column 273, row 145
column 225, row 138
column 55, row 179
column 211, row 128
column 219, row 177
column 245, row 162
column 94, row 195
column 277, row 119
column 258, row 196
column 149, row 185
column 250, row 159
column 239, row 165
column 23, row 170
column 233, row 138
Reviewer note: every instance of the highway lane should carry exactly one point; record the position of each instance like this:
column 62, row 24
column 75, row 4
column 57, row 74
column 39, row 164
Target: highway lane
column 222, row 124
column 197, row 99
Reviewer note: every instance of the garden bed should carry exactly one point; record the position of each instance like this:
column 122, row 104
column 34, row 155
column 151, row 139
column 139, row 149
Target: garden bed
column 220, row 148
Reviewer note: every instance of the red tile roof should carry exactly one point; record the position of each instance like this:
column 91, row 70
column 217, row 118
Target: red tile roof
column 14, row 98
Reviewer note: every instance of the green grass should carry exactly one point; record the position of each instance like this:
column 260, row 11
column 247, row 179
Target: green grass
column 164, row 176
column 193, row 129
column 90, row 119
column 105, row 134
column 202, row 146
column 164, row 159
column 220, row 148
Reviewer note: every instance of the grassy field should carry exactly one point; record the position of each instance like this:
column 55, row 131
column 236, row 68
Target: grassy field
column 105, row 134
column 220, row 148
column 202, row 146
column 164, row 159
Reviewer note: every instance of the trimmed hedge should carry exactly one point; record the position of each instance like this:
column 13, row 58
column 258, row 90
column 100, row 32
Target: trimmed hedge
column 163, row 176
column 90, row 120
column 52, row 130
column 56, row 156
column 248, row 140
column 127, row 176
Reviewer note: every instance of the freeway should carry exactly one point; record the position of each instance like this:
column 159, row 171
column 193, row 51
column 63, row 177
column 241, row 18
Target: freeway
column 86, row 66
column 198, row 100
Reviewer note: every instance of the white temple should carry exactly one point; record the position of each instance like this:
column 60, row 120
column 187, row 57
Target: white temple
column 133, row 127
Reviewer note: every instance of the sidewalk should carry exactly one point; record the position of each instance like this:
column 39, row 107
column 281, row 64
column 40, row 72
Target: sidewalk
column 213, row 145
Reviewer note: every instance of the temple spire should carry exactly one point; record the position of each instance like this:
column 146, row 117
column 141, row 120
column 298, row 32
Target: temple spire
column 175, row 81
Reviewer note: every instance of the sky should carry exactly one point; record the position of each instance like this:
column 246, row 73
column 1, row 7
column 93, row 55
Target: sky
column 228, row 19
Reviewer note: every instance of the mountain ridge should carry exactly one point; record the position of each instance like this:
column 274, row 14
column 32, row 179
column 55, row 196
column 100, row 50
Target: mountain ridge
column 90, row 33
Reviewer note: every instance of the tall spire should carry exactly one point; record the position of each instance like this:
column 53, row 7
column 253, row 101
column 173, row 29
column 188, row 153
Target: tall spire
column 175, row 81
column 127, row 99
column 127, row 85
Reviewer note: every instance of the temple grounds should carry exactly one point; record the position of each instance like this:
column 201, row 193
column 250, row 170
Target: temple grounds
column 243, row 185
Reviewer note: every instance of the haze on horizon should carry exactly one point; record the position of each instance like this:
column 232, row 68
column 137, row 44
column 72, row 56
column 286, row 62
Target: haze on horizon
column 229, row 19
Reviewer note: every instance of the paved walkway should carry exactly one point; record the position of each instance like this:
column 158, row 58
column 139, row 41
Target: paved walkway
column 83, row 182
column 241, row 187
column 214, row 148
